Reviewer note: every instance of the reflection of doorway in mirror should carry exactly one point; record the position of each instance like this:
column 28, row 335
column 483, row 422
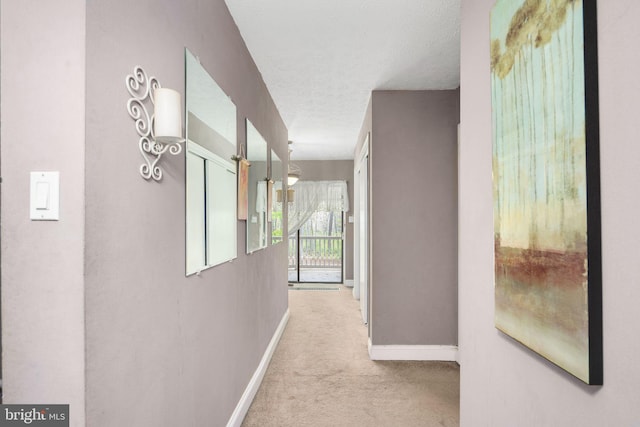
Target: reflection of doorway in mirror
column 211, row 209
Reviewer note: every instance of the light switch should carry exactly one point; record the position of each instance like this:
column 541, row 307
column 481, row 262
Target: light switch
column 350, row 219
column 42, row 195
column 45, row 190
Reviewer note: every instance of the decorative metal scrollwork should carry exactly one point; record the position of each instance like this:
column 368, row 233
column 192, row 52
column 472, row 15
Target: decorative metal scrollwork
column 141, row 88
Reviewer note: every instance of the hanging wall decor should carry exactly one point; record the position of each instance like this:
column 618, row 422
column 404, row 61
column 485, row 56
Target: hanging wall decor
column 157, row 112
column 243, row 188
column 548, row 290
column 269, row 200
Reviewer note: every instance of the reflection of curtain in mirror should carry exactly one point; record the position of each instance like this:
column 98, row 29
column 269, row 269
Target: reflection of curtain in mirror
column 261, row 209
column 312, row 196
column 261, row 197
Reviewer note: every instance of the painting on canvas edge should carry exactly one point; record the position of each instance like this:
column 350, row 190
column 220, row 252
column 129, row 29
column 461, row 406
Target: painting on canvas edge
column 546, row 184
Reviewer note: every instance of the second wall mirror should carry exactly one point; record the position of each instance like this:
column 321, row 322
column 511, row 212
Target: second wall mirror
column 211, row 189
column 257, row 212
column 277, row 197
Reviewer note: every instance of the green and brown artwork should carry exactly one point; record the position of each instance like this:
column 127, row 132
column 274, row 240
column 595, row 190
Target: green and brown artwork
column 540, row 178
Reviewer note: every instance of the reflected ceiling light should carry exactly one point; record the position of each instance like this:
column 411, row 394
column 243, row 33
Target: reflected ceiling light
column 160, row 131
column 294, row 172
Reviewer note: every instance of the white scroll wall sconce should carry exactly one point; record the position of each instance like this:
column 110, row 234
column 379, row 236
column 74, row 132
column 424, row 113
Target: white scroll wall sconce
column 160, row 127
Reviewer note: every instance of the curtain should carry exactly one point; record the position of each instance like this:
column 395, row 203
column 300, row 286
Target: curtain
column 311, row 196
column 261, row 197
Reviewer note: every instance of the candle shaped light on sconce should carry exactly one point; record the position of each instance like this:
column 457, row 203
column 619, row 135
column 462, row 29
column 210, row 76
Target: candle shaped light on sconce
column 167, row 124
column 159, row 130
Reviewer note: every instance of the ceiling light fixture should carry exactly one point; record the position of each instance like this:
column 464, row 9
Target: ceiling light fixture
column 294, row 171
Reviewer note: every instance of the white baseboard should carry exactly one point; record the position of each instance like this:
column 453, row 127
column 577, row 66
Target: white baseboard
column 348, row 283
column 444, row 353
column 252, row 388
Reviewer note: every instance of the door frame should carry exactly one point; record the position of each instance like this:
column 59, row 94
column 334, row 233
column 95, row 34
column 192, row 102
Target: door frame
column 342, row 257
column 362, row 238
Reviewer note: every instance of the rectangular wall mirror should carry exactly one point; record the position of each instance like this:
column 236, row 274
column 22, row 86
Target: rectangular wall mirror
column 211, row 188
column 277, row 199
column 257, row 214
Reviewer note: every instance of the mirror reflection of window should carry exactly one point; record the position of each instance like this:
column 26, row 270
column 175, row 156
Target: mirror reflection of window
column 257, row 215
column 277, row 198
column 211, row 189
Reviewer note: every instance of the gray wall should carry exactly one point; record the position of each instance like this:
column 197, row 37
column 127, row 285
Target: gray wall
column 502, row 383
column 413, row 217
column 98, row 301
column 340, row 170
column 154, row 337
column 43, row 117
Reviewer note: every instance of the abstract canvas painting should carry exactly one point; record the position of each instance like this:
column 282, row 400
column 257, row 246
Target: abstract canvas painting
column 546, row 180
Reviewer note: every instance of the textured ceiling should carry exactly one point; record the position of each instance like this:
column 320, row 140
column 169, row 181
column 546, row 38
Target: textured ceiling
column 320, row 60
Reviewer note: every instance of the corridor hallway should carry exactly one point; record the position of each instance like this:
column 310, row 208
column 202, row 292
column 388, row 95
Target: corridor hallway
column 321, row 375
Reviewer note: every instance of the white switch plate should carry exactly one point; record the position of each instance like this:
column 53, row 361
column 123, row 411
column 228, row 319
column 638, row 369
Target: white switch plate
column 350, row 219
column 45, row 196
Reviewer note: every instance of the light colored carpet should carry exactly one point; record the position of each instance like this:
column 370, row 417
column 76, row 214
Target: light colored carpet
column 321, row 375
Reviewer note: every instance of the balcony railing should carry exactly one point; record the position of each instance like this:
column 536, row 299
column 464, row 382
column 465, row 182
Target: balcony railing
column 316, row 252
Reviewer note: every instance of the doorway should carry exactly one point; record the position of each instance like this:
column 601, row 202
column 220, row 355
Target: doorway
column 316, row 250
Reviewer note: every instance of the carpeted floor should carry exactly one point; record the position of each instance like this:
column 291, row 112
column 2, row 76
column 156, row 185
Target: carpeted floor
column 321, row 375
